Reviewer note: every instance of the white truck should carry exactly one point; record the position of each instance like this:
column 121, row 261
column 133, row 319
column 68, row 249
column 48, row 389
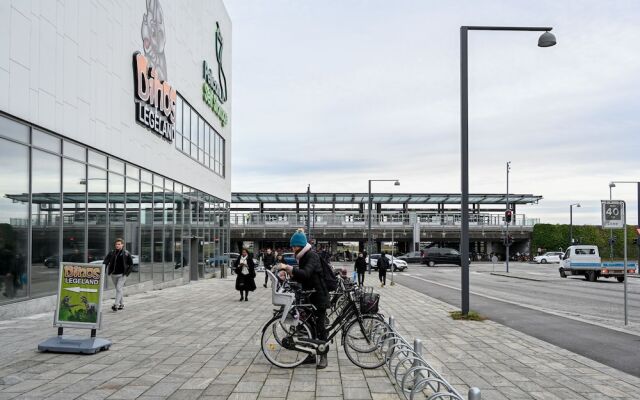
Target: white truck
column 585, row 260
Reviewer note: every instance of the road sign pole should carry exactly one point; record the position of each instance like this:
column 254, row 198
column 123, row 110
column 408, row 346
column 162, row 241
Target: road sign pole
column 626, row 316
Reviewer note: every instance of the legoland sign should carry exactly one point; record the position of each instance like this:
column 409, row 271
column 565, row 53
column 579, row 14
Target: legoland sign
column 155, row 99
column 214, row 92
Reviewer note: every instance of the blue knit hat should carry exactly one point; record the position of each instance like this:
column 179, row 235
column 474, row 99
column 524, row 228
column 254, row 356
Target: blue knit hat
column 299, row 239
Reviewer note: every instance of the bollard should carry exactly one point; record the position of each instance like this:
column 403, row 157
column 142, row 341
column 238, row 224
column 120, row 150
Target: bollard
column 392, row 325
column 417, row 347
column 474, row 394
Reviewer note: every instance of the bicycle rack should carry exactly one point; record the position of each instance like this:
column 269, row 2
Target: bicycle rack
column 412, row 373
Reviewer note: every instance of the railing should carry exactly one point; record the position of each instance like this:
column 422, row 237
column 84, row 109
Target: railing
column 385, row 220
column 412, row 373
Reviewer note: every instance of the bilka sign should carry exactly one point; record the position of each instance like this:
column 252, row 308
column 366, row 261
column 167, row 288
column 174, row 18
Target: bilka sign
column 79, row 295
column 214, row 92
column 155, row 99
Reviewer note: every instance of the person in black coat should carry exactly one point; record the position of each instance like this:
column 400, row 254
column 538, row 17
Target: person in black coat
column 245, row 274
column 268, row 260
column 383, row 265
column 119, row 265
column 310, row 275
column 361, row 268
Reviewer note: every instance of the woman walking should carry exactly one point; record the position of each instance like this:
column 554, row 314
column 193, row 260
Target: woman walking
column 245, row 274
column 361, row 268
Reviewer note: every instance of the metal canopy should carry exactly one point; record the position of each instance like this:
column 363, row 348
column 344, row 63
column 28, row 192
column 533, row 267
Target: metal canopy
column 386, row 198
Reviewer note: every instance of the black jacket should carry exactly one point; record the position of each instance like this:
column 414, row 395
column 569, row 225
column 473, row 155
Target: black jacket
column 118, row 262
column 309, row 274
column 361, row 264
column 268, row 260
column 383, row 263
column 245, row 282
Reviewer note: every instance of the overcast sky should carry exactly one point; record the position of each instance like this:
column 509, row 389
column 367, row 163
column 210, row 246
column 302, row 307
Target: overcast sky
column 334, row 93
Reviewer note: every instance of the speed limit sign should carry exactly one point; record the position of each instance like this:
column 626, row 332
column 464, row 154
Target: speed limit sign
column 613, row 213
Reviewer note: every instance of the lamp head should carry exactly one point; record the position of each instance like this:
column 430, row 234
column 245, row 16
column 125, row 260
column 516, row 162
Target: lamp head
column 397, row 183
column 547, row 39
column 612, row 185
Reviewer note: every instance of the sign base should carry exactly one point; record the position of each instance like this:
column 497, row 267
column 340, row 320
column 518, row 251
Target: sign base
column 74, row 344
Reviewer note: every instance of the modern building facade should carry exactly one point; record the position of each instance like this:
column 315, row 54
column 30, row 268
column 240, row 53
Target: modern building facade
column 340, row 221
column 115, row 122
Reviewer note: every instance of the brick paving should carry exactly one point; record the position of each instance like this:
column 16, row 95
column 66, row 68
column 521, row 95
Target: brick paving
column 199, row 342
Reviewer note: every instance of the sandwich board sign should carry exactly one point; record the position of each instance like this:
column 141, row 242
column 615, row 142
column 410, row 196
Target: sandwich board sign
column 78, row 305
column 613, row 214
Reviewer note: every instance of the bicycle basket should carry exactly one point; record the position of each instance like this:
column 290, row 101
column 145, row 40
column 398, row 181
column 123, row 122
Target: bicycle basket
column 369, row 303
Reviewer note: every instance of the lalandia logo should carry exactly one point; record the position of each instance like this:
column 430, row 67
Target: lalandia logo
column 153, row 38
column 213, row 89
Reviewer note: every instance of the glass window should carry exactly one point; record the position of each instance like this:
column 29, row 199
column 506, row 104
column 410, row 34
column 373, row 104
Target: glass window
column 201, row 125
column 74, row 151
column 146, row 232
column 14, row 216
column 97, row 212
column 132, row 227
column 168, row 236
column 158, row 180
column 74, row 212
column 145, row 176
column 116, row 165
column 14, row 130
column 133, row 172
column 46, row 141
column 186, row 120
column 207, row 133
column 158, row 229
column 194, row 150
column 194, row 127
column 45, row 222
column 116, row 208
column 179, row 115
column 97, row 159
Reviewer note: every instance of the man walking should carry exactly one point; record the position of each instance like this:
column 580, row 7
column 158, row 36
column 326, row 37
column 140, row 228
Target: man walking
column 119, row 264
column 383, row 264
column 267, row 260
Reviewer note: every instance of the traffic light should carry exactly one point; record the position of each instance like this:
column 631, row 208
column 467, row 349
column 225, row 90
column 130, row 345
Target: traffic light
column 635, row 241
column 507, row 216
column 508, row 240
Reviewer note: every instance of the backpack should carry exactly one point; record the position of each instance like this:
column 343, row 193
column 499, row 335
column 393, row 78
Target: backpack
column 328, row 276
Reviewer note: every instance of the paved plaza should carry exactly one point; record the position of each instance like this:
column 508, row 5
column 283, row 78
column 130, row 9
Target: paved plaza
column 199, row 341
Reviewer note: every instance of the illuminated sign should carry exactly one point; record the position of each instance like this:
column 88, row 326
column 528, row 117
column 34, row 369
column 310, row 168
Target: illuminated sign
column 155, row 100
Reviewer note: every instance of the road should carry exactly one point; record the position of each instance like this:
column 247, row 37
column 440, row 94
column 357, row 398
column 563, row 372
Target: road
column 549, row 307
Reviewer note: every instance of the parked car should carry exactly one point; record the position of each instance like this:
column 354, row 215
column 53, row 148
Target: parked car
column 398, row 265
column 549, row 257
column 441, row 255
column 222, row 259
column 135, row 258
column 412, row 257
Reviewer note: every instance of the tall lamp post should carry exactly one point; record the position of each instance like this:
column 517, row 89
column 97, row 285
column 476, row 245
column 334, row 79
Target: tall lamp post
column 571, row 222
column 309, row 212
column 546, row 40
column 507, row 242
column 397, row 183
column 612, row 185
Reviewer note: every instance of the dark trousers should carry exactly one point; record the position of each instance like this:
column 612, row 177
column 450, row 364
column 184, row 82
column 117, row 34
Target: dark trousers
column 321, row 322
column 266, row 276
column 383, row 277
column 360, row 278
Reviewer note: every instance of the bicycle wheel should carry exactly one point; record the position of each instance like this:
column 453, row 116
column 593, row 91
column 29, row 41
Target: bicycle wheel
column 271, row 343
column 361, row 339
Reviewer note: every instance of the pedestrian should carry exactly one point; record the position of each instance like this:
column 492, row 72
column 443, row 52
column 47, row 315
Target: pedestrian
column 245, row 274
column 268, row 260
column 361, row 268
column 119, row 265
column 310, row 275
column 383, row 264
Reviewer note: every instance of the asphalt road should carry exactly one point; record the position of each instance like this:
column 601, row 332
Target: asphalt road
column 546, row 308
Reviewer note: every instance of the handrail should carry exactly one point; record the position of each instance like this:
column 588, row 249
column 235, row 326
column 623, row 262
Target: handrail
column 412, row 373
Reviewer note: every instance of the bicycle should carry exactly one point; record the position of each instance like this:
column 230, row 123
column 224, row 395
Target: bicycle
column 288, row 337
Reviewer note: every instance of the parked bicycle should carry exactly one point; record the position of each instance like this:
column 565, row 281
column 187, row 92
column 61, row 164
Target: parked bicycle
column 288, row 337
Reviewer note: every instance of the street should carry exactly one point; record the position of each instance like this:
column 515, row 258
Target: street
column 571, row 313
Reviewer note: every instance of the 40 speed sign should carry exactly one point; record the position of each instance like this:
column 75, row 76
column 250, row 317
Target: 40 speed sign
column 613, row 214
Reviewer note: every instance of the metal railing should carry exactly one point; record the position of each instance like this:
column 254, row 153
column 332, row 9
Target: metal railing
column 412, row 373
column 386, row 220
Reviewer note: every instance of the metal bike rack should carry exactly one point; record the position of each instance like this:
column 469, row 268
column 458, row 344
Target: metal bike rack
column 412, row 373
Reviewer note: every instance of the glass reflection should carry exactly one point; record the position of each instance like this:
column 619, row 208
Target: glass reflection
column 158, row 241
column 97, row 212
column 146, row 232
column 74, row 212
column 45, row 223
column 14, row 214
column 132, row 227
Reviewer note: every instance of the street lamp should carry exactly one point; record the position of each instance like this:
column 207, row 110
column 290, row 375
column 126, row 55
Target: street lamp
column 507, row 243
column 612, row 184
column 397, row 183
column 546, row 40
column 571, row 222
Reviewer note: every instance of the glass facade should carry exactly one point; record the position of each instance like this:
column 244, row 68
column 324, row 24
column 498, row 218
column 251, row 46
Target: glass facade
column 197, row 139
column 62, row 202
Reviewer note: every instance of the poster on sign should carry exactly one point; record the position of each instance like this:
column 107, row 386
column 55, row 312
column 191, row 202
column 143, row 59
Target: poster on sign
column 80, row 289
